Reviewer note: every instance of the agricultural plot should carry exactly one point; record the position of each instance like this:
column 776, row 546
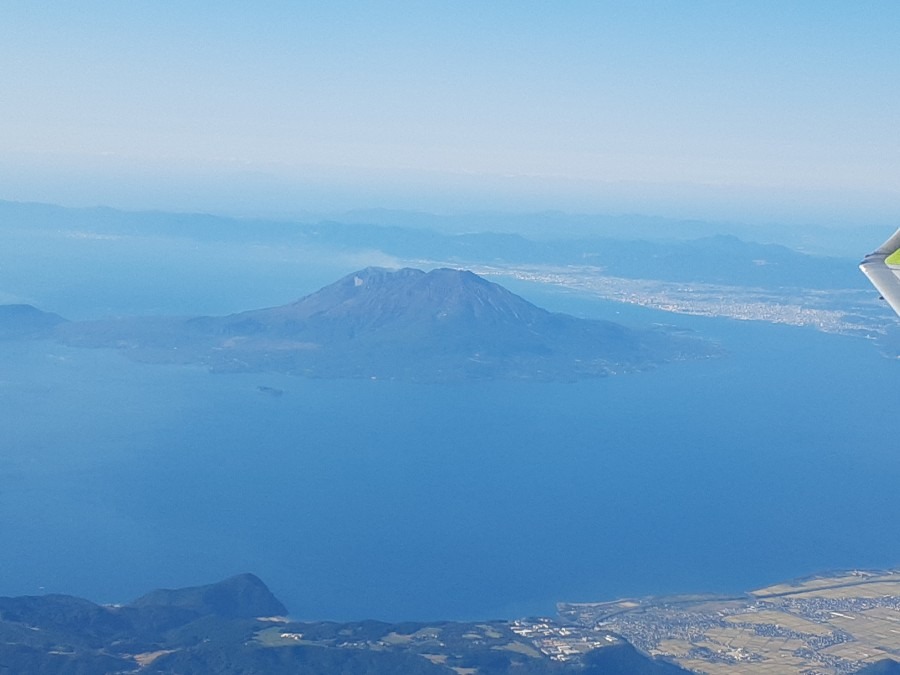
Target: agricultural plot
column 826, row 624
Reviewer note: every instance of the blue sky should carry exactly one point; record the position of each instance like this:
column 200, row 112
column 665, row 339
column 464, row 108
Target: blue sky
column 759, row 109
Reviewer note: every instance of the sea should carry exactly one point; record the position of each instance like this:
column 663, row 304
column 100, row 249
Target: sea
column 359, row 499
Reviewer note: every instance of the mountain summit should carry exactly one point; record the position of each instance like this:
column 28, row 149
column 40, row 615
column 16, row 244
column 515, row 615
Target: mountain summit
column 405, row 304
column 442, row 325
column 240, row 597
column 375, row 297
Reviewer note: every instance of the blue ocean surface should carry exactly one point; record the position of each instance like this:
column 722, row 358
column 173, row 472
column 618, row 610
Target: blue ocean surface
column 356, row 499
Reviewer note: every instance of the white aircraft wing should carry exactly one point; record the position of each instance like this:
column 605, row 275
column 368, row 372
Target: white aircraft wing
column 882, row 266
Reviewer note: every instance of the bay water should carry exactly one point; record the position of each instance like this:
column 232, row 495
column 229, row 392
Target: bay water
column 378, row 499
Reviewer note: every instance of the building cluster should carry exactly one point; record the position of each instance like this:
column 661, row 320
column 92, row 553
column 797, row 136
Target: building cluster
column 561, row 643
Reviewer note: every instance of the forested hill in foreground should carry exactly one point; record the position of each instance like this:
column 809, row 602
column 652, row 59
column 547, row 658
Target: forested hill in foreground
column 235, row 627
column 443, row 325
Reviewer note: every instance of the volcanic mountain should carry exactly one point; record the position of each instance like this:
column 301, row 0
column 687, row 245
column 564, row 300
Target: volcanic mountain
column 407, row 324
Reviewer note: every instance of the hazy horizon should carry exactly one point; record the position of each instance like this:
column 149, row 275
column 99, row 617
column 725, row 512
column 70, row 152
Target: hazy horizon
column 758, row 113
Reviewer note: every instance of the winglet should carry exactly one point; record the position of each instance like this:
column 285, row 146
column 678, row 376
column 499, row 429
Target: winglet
column 882, row 267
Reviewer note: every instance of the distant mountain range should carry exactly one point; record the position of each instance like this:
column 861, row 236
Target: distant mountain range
column 443, row 325
column 627, row 246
